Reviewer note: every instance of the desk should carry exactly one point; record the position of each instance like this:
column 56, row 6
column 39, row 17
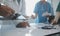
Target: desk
column 30, row 31
column 43, row 32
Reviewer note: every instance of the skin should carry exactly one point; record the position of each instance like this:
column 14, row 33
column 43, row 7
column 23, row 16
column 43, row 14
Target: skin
column 43, row 0
column 57, row 16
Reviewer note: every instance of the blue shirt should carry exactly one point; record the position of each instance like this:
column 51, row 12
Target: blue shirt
column 41, row 8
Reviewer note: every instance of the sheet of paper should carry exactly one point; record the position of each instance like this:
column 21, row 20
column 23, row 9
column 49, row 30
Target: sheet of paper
column 21, row 17
column 46, row 13
column 1, row 17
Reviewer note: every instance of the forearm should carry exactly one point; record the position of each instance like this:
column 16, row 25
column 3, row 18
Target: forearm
column 57, row 16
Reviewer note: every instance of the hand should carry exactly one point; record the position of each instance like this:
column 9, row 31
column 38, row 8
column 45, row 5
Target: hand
column 47, row 16
column 33, row 16
column 54, row 22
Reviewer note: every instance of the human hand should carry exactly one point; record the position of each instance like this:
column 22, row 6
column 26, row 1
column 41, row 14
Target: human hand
column 54, row 23
column 32, row 16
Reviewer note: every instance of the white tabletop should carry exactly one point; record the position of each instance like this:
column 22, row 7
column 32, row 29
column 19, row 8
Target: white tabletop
column 30, row 31
column 43, row 32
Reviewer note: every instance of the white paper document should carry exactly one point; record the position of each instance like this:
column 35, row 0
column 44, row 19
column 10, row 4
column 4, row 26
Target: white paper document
column 46, row 13
column 21, row 17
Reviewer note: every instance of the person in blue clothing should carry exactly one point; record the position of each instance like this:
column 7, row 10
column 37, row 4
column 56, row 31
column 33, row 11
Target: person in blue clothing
column 42, row 10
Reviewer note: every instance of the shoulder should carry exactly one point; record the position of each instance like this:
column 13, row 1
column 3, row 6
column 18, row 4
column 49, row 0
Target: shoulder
column 48, row 3
column 38, row 3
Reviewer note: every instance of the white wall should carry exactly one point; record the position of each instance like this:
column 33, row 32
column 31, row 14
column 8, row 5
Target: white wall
column 54, row 4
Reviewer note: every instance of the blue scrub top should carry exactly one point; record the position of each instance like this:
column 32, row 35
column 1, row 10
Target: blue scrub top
column 41, row 8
